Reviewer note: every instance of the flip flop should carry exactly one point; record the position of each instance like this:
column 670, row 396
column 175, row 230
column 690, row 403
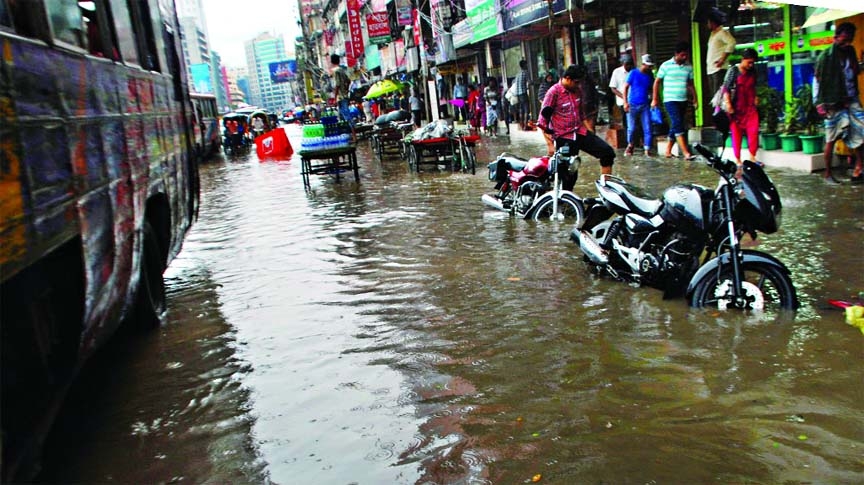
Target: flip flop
column 690, row 158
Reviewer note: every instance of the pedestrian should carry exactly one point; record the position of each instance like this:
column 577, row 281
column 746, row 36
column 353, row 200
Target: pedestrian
column 720, row 45
column 545, row 84
column 480, row 111
column 616, row 84
column 837, row 99
column 367, row 111
column 341, row 89
column 739, row 94
column 460, row 93
column 492, row 96
column 521, row 82
column 562, row 122
column 675, row 82
column 443, row 93
column 637, row 100
column 416, row 108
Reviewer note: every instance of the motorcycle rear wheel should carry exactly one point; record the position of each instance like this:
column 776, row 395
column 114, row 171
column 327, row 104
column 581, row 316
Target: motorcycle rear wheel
column 568, row 206
column 766, row 288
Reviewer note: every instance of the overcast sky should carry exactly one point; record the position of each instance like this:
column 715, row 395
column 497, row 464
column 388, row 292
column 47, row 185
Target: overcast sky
column 230, row 23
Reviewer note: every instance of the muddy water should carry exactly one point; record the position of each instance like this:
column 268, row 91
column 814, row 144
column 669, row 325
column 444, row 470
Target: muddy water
column 396, row 331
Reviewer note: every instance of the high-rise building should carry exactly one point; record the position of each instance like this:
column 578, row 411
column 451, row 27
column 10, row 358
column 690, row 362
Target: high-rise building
column 260, row 52
column 202, row 66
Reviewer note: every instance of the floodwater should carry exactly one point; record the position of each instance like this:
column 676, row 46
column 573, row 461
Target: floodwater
column 396, row 331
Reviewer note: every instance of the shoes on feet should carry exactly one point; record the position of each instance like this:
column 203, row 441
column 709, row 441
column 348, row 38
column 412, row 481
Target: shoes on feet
column 629, row 151
column 690, row 157
column 830, row 180
column 857, row 180
column 649, row 152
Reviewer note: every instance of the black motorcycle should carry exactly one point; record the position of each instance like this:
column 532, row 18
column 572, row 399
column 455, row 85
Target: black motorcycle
column 658, row 242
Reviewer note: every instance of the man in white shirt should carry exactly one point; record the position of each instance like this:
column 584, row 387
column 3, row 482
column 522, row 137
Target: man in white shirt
column 720, row 45
column 617, row 81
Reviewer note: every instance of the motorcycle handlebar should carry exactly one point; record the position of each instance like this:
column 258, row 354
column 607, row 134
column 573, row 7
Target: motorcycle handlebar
column 727, row 167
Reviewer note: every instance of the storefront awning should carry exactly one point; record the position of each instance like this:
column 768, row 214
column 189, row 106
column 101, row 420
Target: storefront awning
column 824, row 15
column 848, row 5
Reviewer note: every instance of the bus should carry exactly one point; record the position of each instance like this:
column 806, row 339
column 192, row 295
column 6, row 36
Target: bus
column 98, row 188
column 206, row 133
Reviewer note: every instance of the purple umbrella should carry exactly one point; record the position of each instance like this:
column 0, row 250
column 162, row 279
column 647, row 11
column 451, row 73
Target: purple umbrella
column 457, row 102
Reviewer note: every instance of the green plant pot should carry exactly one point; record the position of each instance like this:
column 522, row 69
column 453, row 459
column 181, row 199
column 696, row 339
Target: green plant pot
column 743, row 142
column 770, row 141
column 812, row 143
column 790, row 143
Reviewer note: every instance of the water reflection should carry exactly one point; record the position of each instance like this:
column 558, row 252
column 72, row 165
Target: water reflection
column 396, row 331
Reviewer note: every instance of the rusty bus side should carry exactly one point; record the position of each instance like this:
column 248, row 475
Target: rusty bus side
column 98, row 187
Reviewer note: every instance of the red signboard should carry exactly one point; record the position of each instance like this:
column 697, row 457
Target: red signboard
column 354, row 28
column 378, row 27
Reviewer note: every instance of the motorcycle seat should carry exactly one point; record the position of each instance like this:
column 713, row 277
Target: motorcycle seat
column 645, row 207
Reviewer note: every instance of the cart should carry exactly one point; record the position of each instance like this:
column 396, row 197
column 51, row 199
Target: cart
column 452, row 152
column 387, row 139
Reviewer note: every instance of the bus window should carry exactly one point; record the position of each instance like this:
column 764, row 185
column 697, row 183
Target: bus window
column 5, row 15
column 101, row 40
column 125, row 34
column 143, row 25
column 67, row 24
column 27, row 19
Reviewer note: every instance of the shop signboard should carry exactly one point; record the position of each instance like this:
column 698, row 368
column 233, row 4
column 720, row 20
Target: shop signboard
column 355, row 32
column 523, row 12
column 462, row 33
column 800, row 43
column 378, row 28
column 485, row 18
column 373, row 60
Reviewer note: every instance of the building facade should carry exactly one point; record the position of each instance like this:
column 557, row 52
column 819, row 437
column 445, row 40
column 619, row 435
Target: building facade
column 260, row 52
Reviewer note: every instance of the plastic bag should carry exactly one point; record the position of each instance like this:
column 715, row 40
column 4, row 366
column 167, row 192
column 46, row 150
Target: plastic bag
column 656, row 115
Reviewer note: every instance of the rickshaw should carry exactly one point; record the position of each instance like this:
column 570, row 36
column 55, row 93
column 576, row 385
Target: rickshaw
column 262, row 127
column 234, row 129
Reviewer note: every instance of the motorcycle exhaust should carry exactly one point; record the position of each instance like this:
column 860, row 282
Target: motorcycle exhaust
column 492, row 202
column 592, row 249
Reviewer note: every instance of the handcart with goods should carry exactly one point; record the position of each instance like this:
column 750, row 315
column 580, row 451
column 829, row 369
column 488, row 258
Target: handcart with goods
column 455, row 152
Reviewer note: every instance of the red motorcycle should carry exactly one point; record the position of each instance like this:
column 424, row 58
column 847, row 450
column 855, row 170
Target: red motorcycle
column 532, row 189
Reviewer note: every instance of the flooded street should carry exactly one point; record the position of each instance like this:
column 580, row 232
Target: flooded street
column 397, row 331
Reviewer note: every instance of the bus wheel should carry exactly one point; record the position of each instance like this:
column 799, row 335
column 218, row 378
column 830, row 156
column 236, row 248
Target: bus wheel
column 150, row 306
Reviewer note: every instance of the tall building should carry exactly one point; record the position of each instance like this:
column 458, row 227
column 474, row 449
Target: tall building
column 260, row 52
column 201, row 64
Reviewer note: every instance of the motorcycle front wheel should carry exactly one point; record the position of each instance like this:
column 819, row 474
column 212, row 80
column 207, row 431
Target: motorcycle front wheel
column 766, row 288
column 569, row 207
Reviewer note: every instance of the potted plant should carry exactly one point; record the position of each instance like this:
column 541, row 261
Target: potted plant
column 769, row 105
column 791, row 125
column 811, row 140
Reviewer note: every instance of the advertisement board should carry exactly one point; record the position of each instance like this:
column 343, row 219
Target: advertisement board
column 202, row 82
column 283, row 71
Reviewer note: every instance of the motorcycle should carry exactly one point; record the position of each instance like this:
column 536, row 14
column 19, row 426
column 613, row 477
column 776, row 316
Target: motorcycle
column 658, row 242
column 531, row 188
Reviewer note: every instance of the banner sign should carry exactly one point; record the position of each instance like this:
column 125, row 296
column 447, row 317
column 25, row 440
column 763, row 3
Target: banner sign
column 524, row 12
column 462, row 33
column 485, row 18
column 349, row 54
column 404, row 12
column 283, row 71
column 354, row 29
column 378, row 27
